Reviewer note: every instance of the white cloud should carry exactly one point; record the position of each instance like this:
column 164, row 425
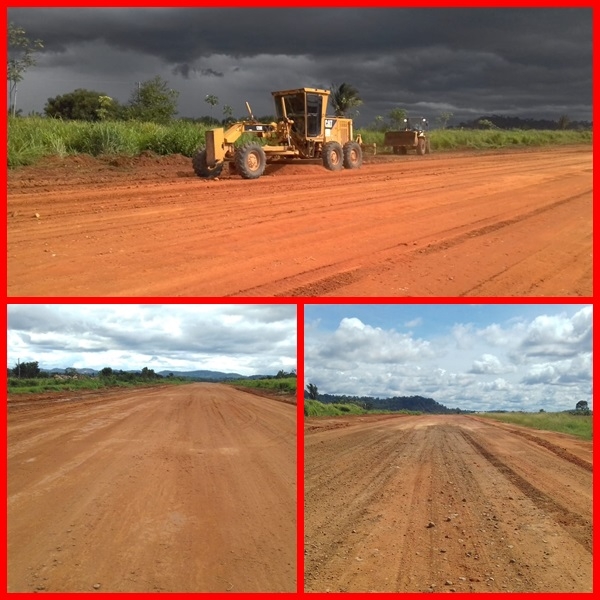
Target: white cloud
column 248, row 339
column 526, row 361
column 490, row 364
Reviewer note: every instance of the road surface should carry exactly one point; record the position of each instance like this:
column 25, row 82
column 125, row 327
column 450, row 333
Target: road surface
column 503, row 223
column 445, row 503
column 170, row 489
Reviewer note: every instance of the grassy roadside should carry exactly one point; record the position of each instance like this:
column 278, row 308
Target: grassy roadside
column 44, row 385
column 32, row 138
column 314, row 408
column 577, row 425
column 286, row 385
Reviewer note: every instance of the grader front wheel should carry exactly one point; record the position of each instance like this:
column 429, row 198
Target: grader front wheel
column 250, row 160
column 333, row 156
column 201, row 167
column 352, row 155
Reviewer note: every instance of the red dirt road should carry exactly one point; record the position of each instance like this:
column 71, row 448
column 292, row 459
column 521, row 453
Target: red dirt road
column 189, row 489
column 510, row 223
column 445, row 503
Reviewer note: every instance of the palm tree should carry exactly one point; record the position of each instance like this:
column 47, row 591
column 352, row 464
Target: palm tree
column 344, row 98
column 313, row 391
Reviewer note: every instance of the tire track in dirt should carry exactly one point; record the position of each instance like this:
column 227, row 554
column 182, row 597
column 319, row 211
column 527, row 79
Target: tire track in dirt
column 442, row 225
column 415, row 505
column 188, row 488
column 576, row 526
column 321, row 284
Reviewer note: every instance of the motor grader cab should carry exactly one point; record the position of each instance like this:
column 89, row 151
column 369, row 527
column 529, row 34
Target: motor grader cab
column 414, row 136
column 303, row 131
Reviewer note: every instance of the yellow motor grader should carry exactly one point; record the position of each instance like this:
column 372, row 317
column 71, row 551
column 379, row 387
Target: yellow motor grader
column 303, row 131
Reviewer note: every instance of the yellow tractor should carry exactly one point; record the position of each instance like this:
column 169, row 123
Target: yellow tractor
column 303, row 131
column 413, row 136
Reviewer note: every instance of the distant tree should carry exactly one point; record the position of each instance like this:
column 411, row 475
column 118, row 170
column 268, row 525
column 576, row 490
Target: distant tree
column 21, row 56
column 379, row 124
column 106, row 372
column 153, row 101
column 564, row 122
column 396, row 117
column 582, row 405
column 485, row 124
column 82, row 105
column 212, row 100
column 443, row 119
column 27, row 370
column 107, row 107
column 71, row 371
column 345, row 99
column 227, row 114
column 542, row 410
column 313, row 391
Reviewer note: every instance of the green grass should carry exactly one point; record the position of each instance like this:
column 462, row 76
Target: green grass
column 286, row 385
column 562, row 422
column 314, row 408
column 478, row 139
column 32, row 138
column 48, row 384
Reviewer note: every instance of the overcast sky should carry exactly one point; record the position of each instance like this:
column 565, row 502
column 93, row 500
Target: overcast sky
column 245, row 339
column 474, row 357
column 531, row 63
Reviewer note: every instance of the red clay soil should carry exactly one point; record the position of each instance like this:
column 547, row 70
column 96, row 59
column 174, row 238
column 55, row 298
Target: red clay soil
column 503, row 223
column 172, row 489
column 445, row 503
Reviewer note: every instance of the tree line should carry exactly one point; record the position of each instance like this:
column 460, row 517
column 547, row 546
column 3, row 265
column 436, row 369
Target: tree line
column 32, row 370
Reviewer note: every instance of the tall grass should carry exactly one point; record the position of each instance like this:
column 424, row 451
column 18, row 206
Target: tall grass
column 314, row 408
column 283, row 384
column 562, row 422
column 32, row 138
column 480, row 139
column 46, row 384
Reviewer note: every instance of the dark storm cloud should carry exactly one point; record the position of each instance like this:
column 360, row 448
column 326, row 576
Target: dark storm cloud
column 528, row 62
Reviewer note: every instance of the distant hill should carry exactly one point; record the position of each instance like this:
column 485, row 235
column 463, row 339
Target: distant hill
column 510, row 122
column 203, row 374
column 416, row 403
column 200, row 374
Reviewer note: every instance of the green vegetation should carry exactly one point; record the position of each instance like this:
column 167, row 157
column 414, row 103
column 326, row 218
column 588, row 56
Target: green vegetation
column 31, row 138
column 27, row 378
column 481, row 139
column 286, row 385
column 36, row 386
column 570, row 422
column 314, row 408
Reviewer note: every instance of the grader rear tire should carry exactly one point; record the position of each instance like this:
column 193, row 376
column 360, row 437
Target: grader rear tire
column 201, row 167
column 352, row 155
column 250, row 160
column 333, row 156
